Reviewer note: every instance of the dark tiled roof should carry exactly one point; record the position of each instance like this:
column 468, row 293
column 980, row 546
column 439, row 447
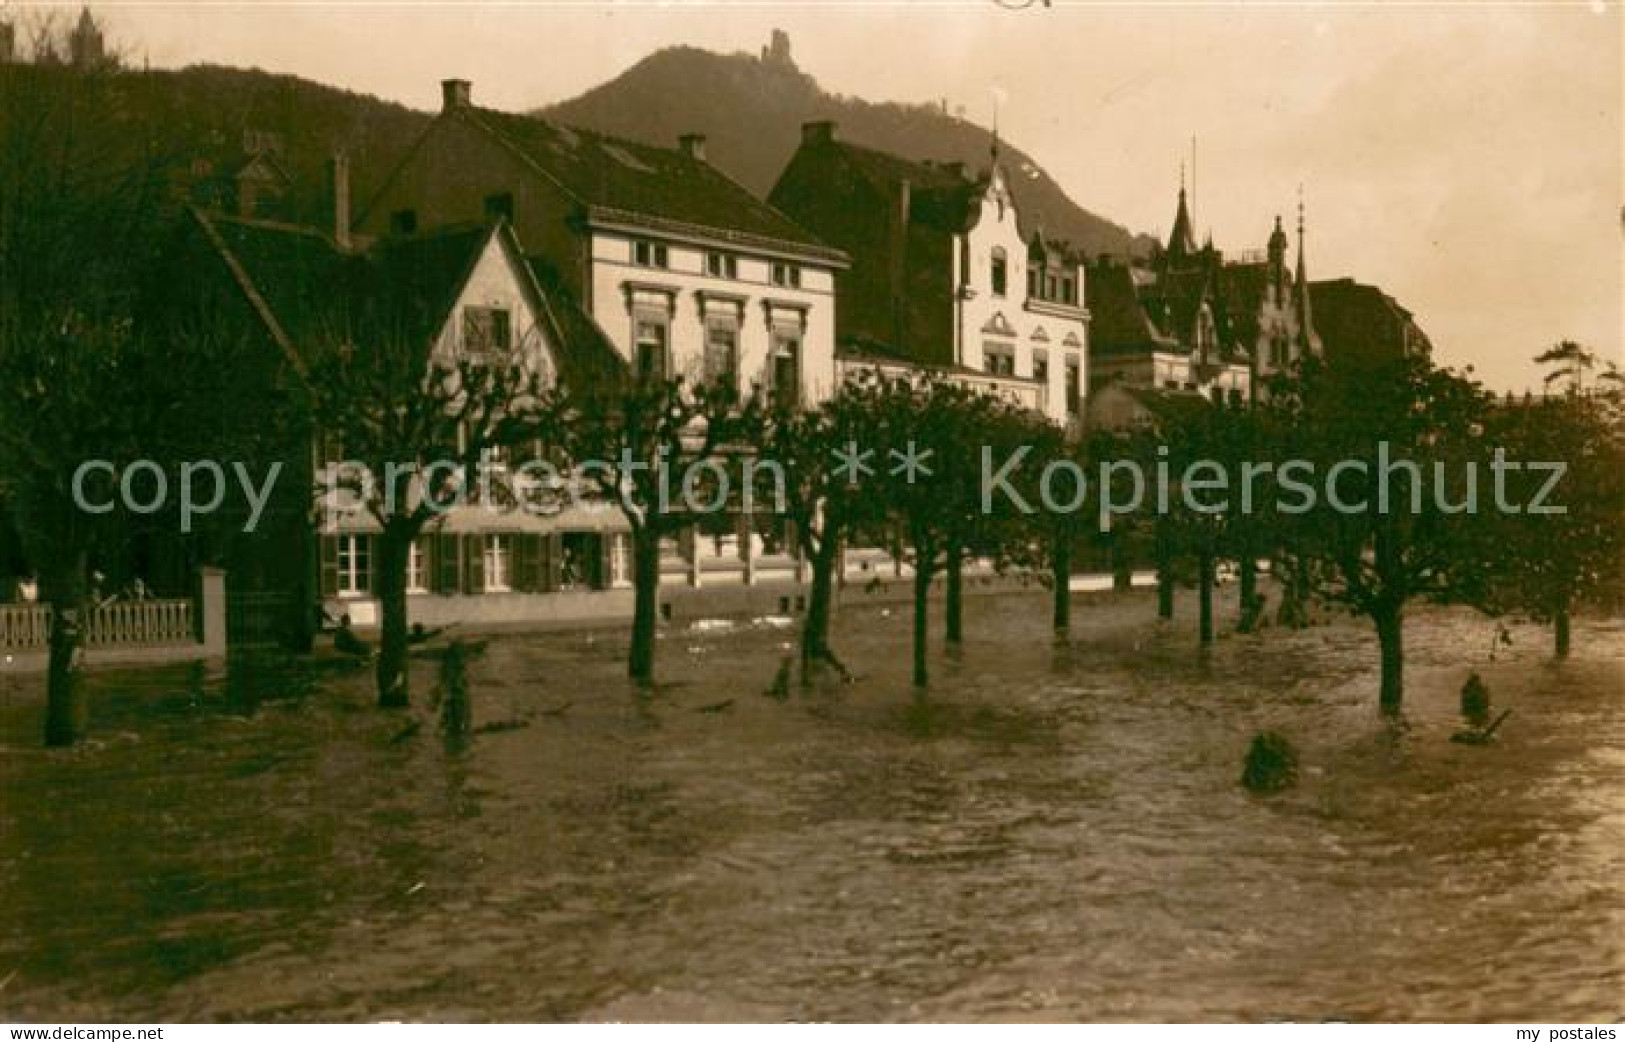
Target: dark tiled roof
column 288, row 273
column 617, row 179
column 307, row 291
column 416, row 279
column 1361, row 324
column 1119, row 323
column 585, row 356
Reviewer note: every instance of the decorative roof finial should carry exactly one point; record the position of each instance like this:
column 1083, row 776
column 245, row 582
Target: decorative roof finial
column 1000, row 96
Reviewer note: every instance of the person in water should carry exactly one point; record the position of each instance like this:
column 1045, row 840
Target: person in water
column 419, row 635
column 345, row 640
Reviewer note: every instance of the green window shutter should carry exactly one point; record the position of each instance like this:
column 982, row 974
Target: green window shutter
column 554, row 576
column 521, row 564
column 602, row 562
column 536, row 563
column 426, row 560
column 448, row 564
column 474, row 564
column 330, row 565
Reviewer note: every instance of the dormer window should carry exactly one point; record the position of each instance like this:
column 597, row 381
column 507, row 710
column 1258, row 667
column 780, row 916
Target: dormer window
column 1001, row 272
column 647, row 254
column 787, row 275
column 722, row 265
column 487, row 331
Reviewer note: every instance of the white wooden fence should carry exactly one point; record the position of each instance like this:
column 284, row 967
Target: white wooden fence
column 120, row 624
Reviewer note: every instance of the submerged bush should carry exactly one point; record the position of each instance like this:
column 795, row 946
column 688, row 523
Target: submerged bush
column 1475, row 700
column 1271, row 764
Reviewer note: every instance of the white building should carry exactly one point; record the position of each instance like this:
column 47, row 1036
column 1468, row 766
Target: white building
column 943, row 273
column 680, row 268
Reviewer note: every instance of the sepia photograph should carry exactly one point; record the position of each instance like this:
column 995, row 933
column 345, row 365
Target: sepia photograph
column 609, row 512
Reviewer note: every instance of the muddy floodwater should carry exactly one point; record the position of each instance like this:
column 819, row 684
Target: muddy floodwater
column 1055, row 832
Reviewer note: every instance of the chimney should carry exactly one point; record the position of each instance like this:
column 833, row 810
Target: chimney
column 821, row 132
column 339, row 176
column 693, row 146
column 455, row 94
column 897, row 275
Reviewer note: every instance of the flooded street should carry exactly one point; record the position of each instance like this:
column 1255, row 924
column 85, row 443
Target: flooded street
column 1056, row 835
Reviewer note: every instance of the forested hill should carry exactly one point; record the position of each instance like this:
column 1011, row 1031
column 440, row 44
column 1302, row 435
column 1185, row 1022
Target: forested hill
column 179, row 118
column 751, row 109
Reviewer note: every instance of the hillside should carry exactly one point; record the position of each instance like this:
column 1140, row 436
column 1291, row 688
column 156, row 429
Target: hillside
column 751, row 110
column 173, row 119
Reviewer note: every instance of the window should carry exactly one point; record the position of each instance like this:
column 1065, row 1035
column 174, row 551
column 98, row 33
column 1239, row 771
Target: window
column 1074, row 376
column 1001, row 272
column 417, row 573
column 1069, row 293
column 722, row 265
column 1051, row 287
column 787, row 275
column 1041, row 367
column 722, row 354
column 499, row 205
column 650, row 357
column 1032, row 282
column 355, row 565
column 786, row 368
column 486, row 330
column 999, row 359
column 403, row 222
column 647, row 254
column 498, row 560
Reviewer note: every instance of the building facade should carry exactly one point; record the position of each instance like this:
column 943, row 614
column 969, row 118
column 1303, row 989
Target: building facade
column 1190, row 322
column 683, row 271
column 944, row 275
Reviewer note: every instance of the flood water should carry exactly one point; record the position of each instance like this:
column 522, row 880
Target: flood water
column 1056, row 832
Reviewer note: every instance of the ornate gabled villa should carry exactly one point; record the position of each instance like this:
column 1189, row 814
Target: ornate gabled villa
column 945, row 274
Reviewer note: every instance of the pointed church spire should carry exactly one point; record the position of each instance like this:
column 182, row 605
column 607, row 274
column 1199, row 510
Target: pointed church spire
column 1306, row 321
column 1182, row 240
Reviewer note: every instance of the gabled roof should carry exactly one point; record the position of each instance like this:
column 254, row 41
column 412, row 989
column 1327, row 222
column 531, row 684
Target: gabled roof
column 941, row 195
column 304, row 289
column 616, row 180
column 1119, row 323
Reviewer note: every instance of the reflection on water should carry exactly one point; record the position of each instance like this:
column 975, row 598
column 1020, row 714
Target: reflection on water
column 1054, row 833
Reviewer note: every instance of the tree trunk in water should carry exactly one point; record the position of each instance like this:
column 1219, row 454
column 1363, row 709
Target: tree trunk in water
column 1247, row 571
column 1205, row 603
column 645, row 599
column 815, row 627
column 393, row 689
column 1122, row 564
column 953, row 601
column 65, row 711
column 1165, row 575
column 922, row 591
column 1560, row 630
column 1060, row 570
column 1391, row 635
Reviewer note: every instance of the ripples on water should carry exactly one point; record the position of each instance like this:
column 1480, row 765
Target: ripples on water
column 1055, row 833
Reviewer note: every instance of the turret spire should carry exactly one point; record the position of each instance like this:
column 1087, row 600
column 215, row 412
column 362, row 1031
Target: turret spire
column 1182, row 240
column 1306, row 323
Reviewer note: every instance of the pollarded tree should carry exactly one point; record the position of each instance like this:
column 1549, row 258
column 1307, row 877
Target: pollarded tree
column 928, row 436
column 658, row 449
column 1568, row 548
column 821, row 455
column 78, row 199
column 421, row 425
column 1395, row 455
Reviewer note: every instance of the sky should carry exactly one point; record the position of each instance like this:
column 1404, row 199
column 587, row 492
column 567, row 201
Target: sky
column 1467, row 158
